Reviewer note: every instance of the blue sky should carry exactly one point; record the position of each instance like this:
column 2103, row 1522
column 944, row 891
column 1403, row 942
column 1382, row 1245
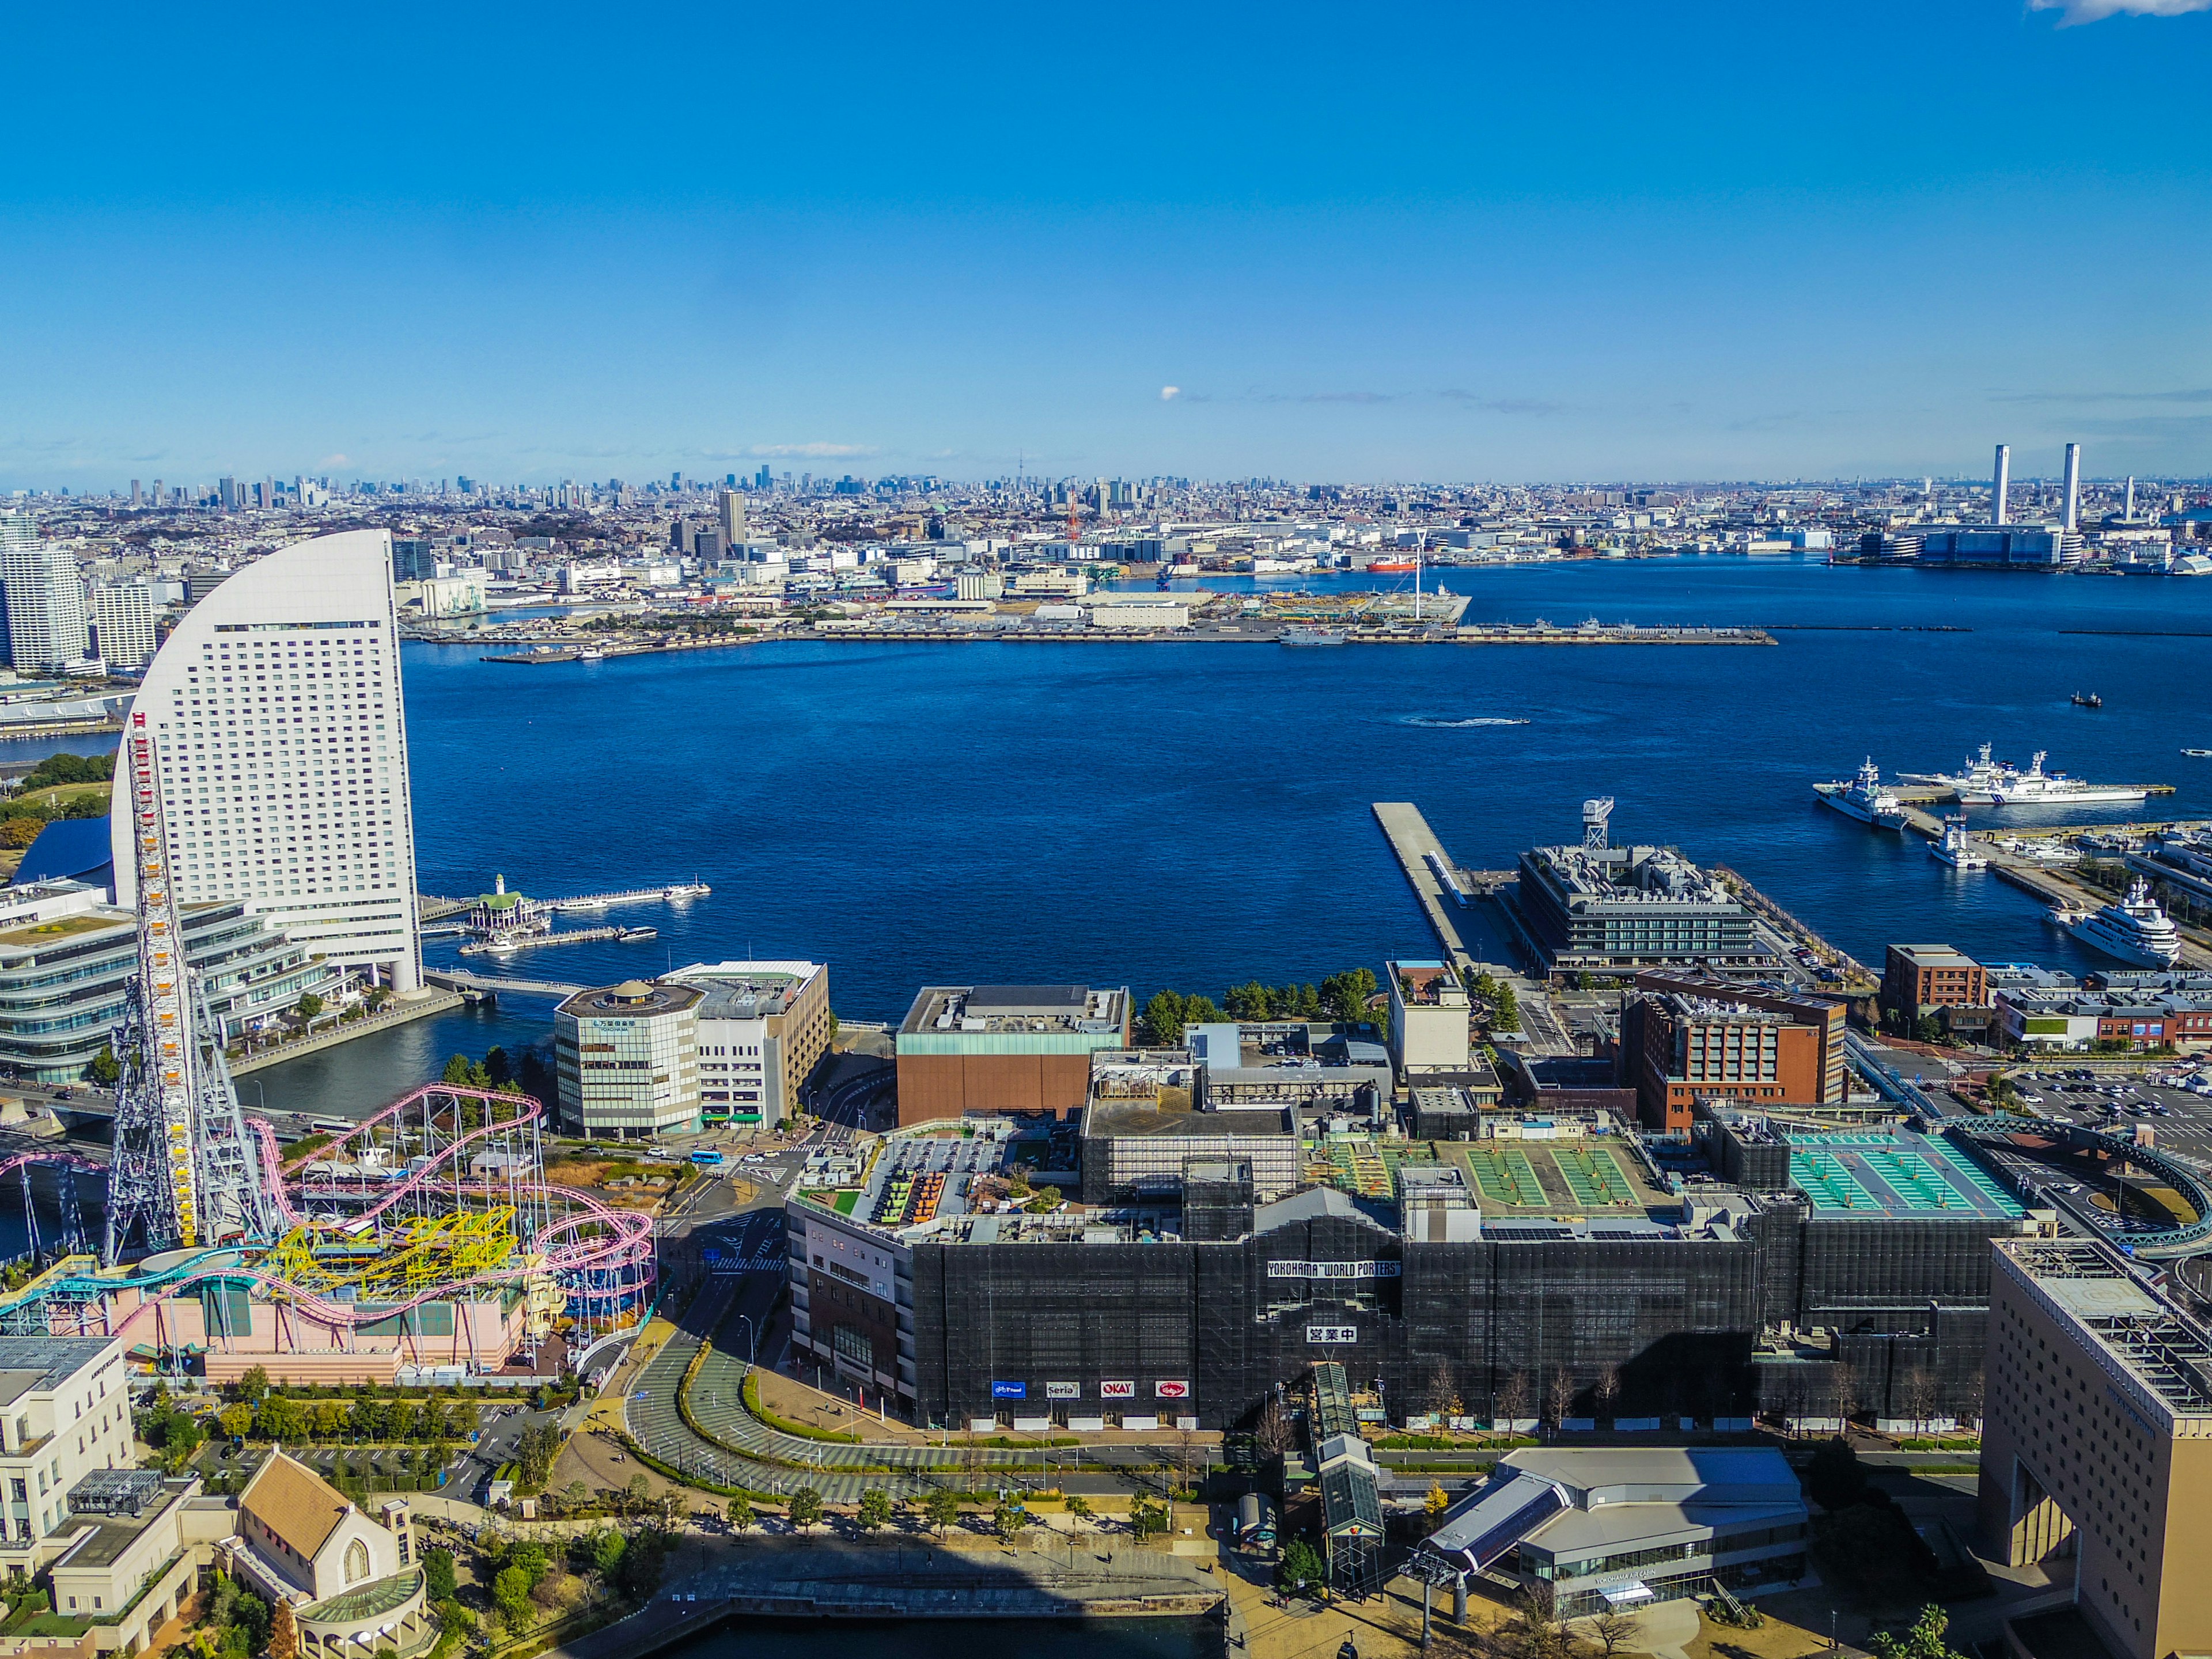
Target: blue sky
column 1579, row 239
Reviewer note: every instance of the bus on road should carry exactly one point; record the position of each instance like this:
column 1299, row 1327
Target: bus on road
column 708, row 1157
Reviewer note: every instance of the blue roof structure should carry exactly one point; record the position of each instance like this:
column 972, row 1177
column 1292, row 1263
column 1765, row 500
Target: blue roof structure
column 68, row 849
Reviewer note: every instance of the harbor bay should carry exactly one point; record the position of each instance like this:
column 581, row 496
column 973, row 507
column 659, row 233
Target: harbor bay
column 1201, row 817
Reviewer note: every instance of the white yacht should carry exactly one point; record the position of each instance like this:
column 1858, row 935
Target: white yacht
column 1957, row 847
column 2132, row 929
column 1865, row 799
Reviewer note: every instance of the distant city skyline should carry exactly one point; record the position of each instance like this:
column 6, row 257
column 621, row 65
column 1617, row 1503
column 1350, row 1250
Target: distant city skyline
column 1475, row 243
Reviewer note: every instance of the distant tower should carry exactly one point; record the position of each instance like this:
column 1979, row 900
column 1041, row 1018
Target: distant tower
column 734, row 517
column 1999, row 485
column 2128, row 511
column 1594, row 814
column 2073, row 486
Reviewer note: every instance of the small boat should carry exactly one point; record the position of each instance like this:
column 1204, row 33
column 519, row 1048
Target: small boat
column 1866, row 799
column 1390, row 567
column 2087, row 700
column 2200, row 754
column 632, row 935
column 1957, row 848
column 591, row 653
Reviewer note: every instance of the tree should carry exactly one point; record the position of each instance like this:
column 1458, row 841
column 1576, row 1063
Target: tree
column 1513, row 1397
column 237, row 1421
column 1442, row 1390
column 438, row 1574
column 805, row 1508
column 607, row 1551
column 103, row 1068
column 1559, row 1398
column 1608, row 1389
column 1505, row 1010
column 457, row 1070
column 1010, row 1519
column 309, row 1006
column 1436, row 1502
column 1160, row 1025
column 1147, row 1516
column 1923, row 1641
column 496, row 1066
column 283, row 1634
column 1078, row 1508
column 1271, row 1429
column 638, row 1494
column 253, row 1387
column 875, row 1509
column 1835, row 1479
column 741, row 1514
column 510, row 1594
column 1611, row 1634
column 1300, row 1565
column 942, row 1508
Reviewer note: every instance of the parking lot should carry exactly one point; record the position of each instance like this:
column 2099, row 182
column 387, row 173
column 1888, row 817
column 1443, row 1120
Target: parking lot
column 2180, row 1117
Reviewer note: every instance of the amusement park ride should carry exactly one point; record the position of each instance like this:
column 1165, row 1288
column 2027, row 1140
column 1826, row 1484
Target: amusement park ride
column 426, row 1237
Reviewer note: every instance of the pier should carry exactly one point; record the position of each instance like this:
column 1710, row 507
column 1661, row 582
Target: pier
column 672, row 894
column 514, row 942
column 1420, row 855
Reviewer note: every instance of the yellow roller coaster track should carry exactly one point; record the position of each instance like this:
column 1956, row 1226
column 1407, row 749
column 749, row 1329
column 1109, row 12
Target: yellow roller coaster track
column 395, row 1262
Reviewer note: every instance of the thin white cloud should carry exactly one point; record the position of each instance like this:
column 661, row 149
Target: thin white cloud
column 1169, row 393
column 335, row 460
column 2095, row 11
column 814, row 452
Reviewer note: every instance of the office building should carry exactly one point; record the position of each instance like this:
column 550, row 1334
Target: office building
column 281, row 738
column 626, row 1060
column 130, row 1560
column 1688, row 1039
column 1429, row 1015
column 2001, row 486
column 1615, row 910
column 731, row 504
column 2097, row 1442
column 1626, row 1527
column 762, row 1028
column 43, row 598
column 994, row 1048
column 2073, row 519
column 67, row 958
column 123, row 624
column 1917, row 979
column 64, row 1411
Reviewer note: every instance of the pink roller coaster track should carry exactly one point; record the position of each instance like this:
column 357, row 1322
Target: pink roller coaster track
column 590, row 1237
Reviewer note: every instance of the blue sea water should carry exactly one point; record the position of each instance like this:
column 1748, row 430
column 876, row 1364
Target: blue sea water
column 1196, row 815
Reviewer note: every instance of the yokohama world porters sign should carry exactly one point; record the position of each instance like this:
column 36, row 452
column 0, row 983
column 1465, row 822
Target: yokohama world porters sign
column 1332, row 1269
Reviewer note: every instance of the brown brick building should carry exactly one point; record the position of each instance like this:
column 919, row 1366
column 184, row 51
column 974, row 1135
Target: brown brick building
column 1916, row 978
column 1691, row 1037
column 1004, row 1048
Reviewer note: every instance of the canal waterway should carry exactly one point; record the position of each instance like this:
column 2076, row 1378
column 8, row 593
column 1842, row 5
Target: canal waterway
column 1197, row 815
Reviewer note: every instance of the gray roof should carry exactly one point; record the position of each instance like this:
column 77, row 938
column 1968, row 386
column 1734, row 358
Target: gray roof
column 28, row 1364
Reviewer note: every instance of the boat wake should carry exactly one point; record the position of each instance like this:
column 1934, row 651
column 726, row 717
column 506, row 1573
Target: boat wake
column 1436, row 724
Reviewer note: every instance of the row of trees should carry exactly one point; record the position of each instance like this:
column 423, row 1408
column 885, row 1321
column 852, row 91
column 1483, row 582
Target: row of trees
column 1340, row 997
column 279, row 1418
column 941, row 1511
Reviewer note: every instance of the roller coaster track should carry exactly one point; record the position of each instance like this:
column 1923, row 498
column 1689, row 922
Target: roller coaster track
column 579, row 1235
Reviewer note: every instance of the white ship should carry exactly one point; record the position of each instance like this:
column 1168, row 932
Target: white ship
column 2037, row 787
column 1988, row 782
column 1957, row 848
column 1865, row 799
column 2132, row 929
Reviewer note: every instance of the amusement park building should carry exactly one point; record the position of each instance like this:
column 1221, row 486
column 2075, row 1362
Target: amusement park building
column 64, row 1411
column 281, row 748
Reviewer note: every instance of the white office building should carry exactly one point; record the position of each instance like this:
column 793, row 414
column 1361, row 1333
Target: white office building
column 123, row 623
column 276, row 715
column 43, row 597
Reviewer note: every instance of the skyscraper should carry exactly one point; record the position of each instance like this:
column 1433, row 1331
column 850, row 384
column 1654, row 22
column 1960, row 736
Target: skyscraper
column 734, row 517
column 282, row 744
column 2073, row 486
column 43, row 597
column 2001, row 486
